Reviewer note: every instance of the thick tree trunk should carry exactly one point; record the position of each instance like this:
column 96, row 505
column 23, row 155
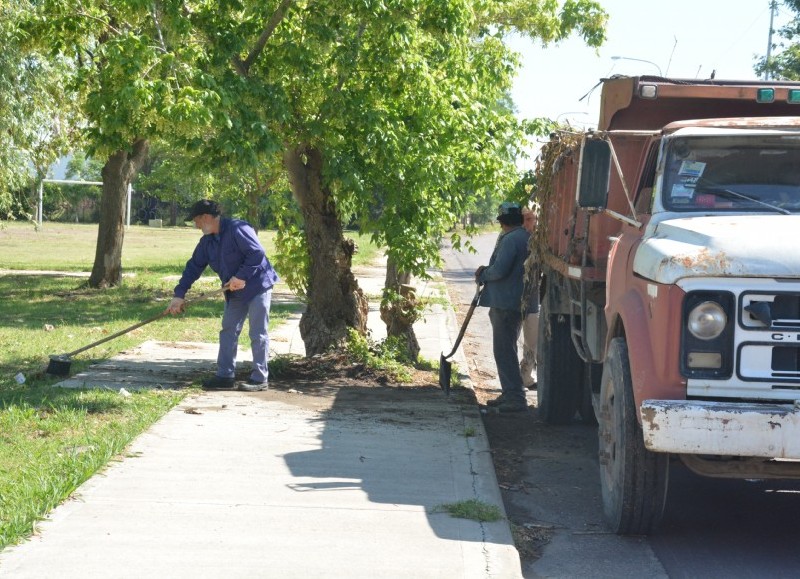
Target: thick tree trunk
column 120, row 170
column 335, row 302
column 399, row 308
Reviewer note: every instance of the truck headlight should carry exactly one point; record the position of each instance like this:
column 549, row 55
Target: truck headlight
column 707, row 336
column 707, row 320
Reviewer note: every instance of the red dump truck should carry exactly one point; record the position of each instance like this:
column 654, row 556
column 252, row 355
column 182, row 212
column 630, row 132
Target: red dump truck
column 668, row 247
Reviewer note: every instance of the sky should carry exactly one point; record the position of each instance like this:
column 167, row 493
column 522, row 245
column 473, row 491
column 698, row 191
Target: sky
column 679, row 38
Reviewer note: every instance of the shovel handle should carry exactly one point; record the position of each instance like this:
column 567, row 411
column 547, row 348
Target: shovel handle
column 158, row 316
column 467, row 318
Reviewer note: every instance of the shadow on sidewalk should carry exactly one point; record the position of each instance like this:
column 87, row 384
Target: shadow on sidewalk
column 401, row 449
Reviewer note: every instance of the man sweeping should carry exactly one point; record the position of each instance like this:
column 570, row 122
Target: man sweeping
column 232, row 249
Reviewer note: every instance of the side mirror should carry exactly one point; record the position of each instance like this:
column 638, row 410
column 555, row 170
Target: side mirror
column 594, row 171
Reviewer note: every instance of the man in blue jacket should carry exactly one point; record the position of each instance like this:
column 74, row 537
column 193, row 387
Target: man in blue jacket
column 232, row 249
column 502, row 283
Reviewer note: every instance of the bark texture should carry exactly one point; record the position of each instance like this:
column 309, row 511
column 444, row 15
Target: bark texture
column 335, row 302
column 118, row 172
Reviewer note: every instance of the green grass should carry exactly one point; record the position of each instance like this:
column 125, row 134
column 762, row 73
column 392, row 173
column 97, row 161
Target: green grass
column 472, row 509
column 71, row 247
column 53, row 439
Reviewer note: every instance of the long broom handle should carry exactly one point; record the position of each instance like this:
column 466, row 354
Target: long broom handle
column 202, row 296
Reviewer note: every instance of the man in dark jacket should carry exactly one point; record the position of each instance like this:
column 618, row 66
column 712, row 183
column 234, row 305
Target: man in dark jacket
column 502, row 293
column 232, row 249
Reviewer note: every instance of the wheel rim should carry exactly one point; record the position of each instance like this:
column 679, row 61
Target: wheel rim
column 611, row 451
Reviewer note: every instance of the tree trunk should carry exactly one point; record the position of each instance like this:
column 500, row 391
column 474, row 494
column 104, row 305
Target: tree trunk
column 399, row 308
column 335, row 302
column 119, row 171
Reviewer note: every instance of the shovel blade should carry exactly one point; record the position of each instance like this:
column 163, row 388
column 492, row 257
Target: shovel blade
column 445, row 372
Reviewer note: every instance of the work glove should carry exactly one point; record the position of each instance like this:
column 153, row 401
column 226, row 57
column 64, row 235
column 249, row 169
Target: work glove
column 176, row 306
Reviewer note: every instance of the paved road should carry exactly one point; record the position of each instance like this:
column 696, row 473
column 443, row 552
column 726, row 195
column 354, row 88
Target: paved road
column 712, row 528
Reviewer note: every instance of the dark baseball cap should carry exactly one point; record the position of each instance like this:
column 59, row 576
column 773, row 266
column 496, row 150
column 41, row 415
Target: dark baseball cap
column 509, row 213
column 203, row 207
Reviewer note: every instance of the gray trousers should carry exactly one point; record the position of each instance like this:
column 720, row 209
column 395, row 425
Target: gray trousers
column 506, row 326
column 236, row 311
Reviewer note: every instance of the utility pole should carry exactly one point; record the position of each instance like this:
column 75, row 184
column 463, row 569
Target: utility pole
column 773, row 7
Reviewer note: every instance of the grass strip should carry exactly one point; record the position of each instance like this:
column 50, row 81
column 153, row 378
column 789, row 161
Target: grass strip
column 472, row 509
column 54, row 439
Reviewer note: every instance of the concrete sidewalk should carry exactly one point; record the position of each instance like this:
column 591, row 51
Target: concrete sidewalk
column 334, row 483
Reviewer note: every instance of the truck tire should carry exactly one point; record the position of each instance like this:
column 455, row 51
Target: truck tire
column 559, row 370
column 633, row 480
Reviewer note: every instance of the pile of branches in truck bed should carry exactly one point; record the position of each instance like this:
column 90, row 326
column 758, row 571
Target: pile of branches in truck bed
column 562, row 147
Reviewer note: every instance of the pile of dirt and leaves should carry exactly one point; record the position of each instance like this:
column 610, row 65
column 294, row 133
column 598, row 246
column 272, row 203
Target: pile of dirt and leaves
column 319, row 381
column 339, row 367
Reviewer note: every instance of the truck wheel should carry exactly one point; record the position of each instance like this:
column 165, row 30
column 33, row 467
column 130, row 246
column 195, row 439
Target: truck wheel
column 633, row 479
column 559, row 371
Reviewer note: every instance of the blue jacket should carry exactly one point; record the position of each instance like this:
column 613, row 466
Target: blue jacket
column 234, row 251
column 503, row 277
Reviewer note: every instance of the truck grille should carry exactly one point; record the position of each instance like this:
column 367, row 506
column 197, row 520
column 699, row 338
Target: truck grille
column 770, row 311
column 769, row 339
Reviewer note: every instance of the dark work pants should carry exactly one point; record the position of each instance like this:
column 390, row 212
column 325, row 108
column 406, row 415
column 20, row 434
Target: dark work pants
column 506, row 325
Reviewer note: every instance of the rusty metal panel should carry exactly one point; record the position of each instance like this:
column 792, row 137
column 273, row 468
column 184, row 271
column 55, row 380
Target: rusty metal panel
column 680, row 99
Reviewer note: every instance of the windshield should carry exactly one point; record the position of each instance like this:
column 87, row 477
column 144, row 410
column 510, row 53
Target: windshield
column 755, row 173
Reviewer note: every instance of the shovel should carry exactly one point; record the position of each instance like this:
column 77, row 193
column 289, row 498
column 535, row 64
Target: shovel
column 445, row 366
column 60, row 363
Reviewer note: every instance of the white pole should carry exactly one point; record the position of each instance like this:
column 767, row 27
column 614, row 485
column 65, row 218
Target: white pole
column 772, row 8
column 128, row 212
column 39, row 209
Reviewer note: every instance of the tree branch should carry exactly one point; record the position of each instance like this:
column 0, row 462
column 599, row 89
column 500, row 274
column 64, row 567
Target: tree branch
column 100, row 20
column 157, row 24
column 243, row 66
column 342, row 76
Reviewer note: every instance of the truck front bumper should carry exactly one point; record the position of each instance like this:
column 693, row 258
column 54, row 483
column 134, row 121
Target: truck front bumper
column 722, row 428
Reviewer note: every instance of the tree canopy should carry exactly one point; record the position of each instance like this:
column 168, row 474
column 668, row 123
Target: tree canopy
column 392, row 114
